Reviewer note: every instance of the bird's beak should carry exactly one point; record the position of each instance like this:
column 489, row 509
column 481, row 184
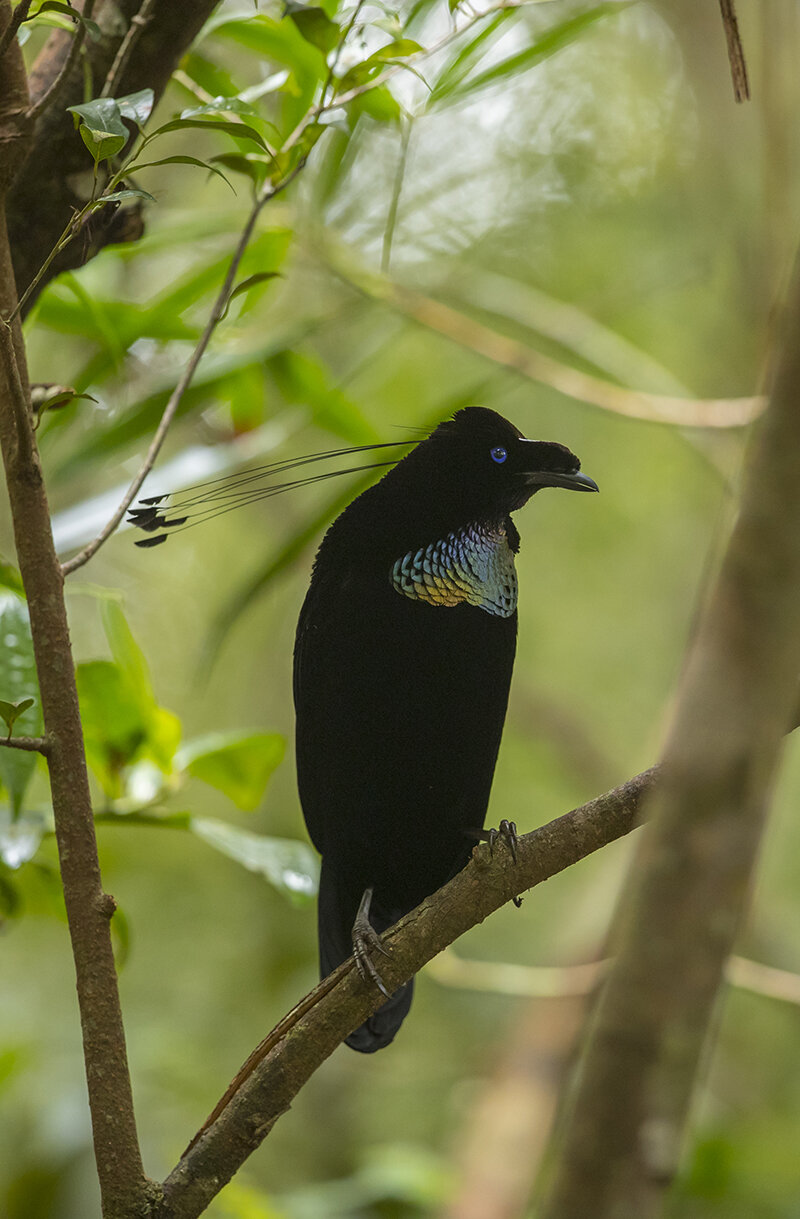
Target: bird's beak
column 551, row 478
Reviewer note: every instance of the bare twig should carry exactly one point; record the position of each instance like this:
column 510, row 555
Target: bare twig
column 52, row 92
column 741, row 87
column 217, row 312
column 62, row 242
column 134, row 32
column 31, row 744
column 766, row 980
column 17, row 17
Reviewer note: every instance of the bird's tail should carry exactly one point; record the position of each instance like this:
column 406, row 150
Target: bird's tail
column 335, row 920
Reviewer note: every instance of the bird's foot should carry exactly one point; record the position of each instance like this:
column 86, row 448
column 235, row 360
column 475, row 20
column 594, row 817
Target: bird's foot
column 365, row 942
column 506, row 832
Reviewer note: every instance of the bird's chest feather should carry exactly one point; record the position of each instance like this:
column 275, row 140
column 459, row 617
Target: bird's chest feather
column 474, row 565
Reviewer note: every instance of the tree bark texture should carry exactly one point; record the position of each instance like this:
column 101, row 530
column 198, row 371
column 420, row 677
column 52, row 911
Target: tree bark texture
column 690, row 882
column 36, row 217
column 89, row 910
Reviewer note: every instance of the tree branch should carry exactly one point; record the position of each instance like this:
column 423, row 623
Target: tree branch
column 37, row 217
column 53, row 90
column 116, row 72
column 741, row 87
column 32, row 744
column 689, row 884
column 280, row 1066
column 123, row 1186
column 17, row 18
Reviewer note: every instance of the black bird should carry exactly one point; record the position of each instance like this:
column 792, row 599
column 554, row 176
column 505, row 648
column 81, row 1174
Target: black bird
column 403, row 660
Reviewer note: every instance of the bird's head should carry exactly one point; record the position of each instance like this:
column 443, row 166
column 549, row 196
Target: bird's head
column 487, row 468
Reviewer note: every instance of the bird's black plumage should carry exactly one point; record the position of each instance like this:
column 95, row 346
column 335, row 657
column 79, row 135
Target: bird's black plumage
column 403, row 661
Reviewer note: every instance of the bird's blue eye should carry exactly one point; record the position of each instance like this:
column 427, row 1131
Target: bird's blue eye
column 499, row 455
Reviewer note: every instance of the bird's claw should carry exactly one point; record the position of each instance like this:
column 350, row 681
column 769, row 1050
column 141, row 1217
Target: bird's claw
column 506, row 832
column 365, row 942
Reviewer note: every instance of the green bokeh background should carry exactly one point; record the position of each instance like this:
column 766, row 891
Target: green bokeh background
column 619, row 177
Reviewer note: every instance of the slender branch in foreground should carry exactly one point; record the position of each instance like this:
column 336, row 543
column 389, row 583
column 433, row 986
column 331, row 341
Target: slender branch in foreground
column 17, row 17
column 171, row 408
column 279, row 1067
column 741, row 87
column 32, row 744
column 78, row 39
column 62, row 242
column 138, row 24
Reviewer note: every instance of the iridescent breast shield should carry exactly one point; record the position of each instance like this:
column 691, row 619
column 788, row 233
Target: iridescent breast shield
column 475, row 565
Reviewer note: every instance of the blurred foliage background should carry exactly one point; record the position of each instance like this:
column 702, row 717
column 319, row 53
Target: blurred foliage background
column 579, row 184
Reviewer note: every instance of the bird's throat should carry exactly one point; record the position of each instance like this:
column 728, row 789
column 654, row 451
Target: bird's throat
column 473, row 565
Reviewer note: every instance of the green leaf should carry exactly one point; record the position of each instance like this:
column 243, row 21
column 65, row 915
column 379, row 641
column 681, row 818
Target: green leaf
column 120, row 938
column 55, row 6
column 312, row 133
column 314, row 25
column 162, row 728
column 129, row 192
column 101, row 145
column 10, row 903
column 122, row 721
column 552, row 41
column 270, row 84
column 290, row 865
column 379, row 103
column 101, row 127
column 304, row 380
column 464, row 61
column 251, row 282
column 254, row 165
column 280, row 42
column 362, row 72
column 238, row 764
column 182, row 159
column 114, row 729
column 102, row 114
column 164, row 731
column 10, row 712
column 219, row 106
column 128, row 655
column 19, row 687
column 399, row 49
column 47, row 397
column 137, row 106
column 10, row 578
column 239, row 130
column 212, row 78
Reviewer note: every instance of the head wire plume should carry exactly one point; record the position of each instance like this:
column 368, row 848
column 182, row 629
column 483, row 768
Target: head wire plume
column 203, row 501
